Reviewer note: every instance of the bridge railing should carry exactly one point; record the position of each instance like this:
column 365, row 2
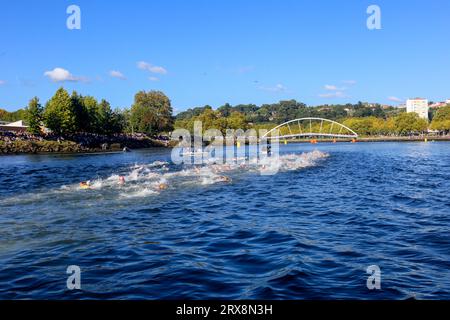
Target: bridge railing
column 311, row 127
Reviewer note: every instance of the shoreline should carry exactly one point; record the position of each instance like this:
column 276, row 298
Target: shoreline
column 47, row 147
column 376, row 139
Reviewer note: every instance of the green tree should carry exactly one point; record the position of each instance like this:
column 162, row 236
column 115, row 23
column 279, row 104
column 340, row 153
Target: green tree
column 82, row 123
column 236, row 120
column 3, row 114
column 409, row 123
column 59, row 115
column 441, row 120
column 151, row 112
column 209, row 119
column 20, row 114
column 90, row 105
column 34, row 118
column 104, row 115
column 109, row 121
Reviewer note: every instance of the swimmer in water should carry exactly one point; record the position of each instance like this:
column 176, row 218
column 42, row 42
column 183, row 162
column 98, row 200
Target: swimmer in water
column 224, row 179
column 85, row 184
column 163, row 186
column 121, row 180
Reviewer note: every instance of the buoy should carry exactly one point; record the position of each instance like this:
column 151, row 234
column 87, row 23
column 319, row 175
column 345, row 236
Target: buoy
column 238, row 144
column 426, row 139
column 285, row 142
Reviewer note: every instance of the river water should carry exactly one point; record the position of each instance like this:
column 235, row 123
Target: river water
column 308, row 232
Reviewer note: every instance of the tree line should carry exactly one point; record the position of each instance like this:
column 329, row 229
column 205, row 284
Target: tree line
column 365, row 119
column 65, row 114
column 152, row 113
column 291, row 109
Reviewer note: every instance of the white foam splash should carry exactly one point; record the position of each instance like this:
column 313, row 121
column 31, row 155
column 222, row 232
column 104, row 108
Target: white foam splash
column 144, row 180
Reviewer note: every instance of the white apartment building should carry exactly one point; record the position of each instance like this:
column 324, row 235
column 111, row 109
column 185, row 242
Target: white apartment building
column 419, row 106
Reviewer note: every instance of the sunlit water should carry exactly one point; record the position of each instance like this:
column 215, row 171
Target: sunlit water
column 308, row 232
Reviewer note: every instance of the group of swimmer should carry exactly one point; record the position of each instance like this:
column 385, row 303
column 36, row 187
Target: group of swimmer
column 86, row 185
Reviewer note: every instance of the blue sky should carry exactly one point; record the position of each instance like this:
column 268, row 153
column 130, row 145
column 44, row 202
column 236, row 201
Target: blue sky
column 218, row 51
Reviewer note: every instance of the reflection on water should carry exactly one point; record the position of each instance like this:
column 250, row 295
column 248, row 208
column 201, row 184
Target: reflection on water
column 309, row 231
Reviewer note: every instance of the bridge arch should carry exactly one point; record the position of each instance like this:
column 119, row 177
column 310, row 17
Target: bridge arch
column 304, row 127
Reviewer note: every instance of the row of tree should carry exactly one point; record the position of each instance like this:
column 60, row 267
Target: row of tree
column 441, row 120
column 151, row 113
column 65, row 114
column 398, row 123
column 211, row 119
column 291, row 109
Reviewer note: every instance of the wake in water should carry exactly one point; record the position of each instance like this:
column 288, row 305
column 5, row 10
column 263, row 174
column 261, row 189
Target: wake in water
column 143, row 180
column 151, row 179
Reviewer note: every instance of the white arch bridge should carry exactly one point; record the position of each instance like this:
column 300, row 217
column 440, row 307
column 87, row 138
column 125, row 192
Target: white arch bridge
column 311, row 127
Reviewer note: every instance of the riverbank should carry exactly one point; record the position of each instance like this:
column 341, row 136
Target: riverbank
column 67, row 146
column 377, row 139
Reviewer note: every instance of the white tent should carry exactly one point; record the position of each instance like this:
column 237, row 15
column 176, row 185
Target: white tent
column 17, row 124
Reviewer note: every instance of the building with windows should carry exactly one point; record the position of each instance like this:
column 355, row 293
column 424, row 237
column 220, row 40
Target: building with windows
column 419, row 106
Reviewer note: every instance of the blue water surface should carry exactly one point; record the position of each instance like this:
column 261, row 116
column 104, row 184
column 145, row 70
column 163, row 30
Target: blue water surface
column 307, row 233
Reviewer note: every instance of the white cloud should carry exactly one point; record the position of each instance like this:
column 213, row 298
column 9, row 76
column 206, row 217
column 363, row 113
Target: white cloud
column 395, row 99
column 2, row 82
column 151, row 68
column 117, row 74
column 349, row 82
column 330, row 87
column 62, row 75
column 276, row 88
column 153, row 79
column 337, row 94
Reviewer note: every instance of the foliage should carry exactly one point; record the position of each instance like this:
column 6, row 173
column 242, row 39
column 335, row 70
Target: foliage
column 34, row 117
column 12, row 116
column 441, row 120
column 408, row 123
column 211, row 119
column 151, row 112
column 61, row 113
